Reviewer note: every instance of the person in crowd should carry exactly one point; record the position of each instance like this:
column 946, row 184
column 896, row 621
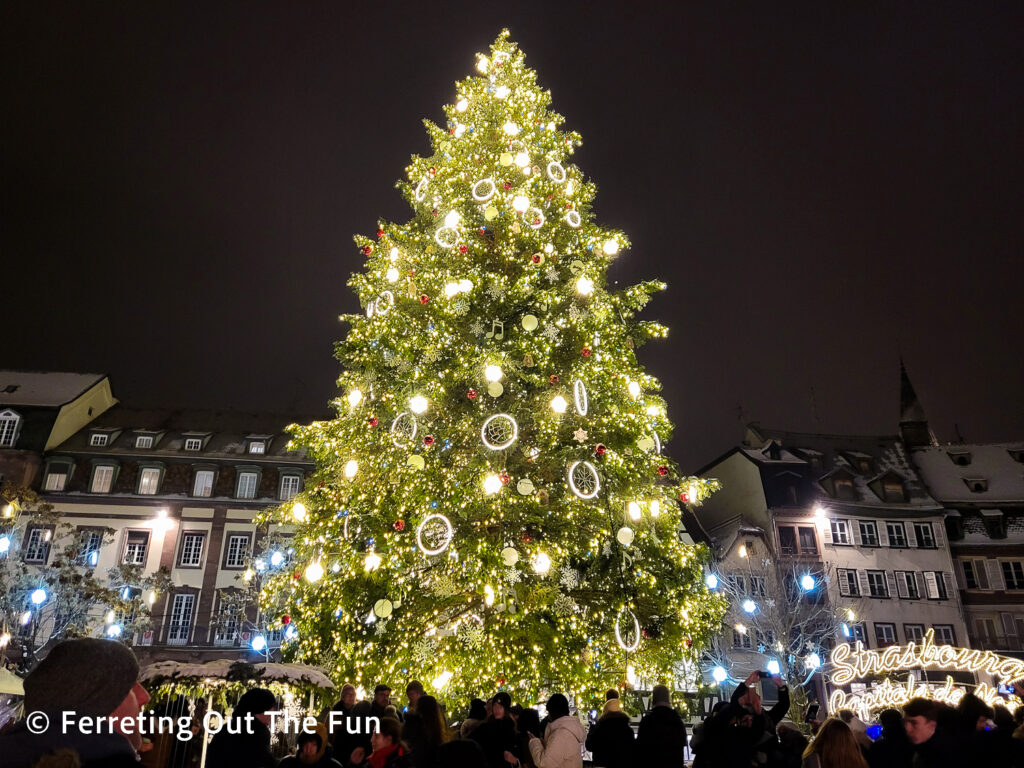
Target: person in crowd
column 793, row 744
column 412, row 726
column 477, row 714
column 462, row 753
column 245, row 742
column 703, row 734
column 497, row 734
column 858, row 727
column 311, row 751
column 933, row 744
column 93, row 678
column 661, row 737
column 611, row 738
column 563, row 737
column 388, row 749
column 1018, row 721
column 892, row 749
column 1005, row 749
column 349, row 707
column 762, row 739
column 527, row 726
column 381, row 702
column 431, row 733
column 835, row 746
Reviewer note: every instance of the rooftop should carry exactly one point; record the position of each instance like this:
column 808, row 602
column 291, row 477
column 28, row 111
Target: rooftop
column 952, row 472
column 44, row 389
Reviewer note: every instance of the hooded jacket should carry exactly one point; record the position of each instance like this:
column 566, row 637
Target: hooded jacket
column 561, row 747
column 320, row 760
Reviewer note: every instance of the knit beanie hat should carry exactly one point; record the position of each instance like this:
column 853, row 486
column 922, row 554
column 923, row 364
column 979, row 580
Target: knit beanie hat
column 502, row 697
column 557, row 706
column 87, row 675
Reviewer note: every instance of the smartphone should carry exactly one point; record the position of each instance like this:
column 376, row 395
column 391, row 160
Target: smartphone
column 763, row 675
column 811, row 713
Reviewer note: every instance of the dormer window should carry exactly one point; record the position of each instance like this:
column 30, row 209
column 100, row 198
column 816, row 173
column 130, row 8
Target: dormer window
column 258, row 447
column 144, row 441
column 864, row 465
column 892, row 489
column 98, row 439
column 995, row 523
column 960, row 458
column 10, row 424
column 1017, row 454
column 193, row 443
column 842, row 487
column 976, row 484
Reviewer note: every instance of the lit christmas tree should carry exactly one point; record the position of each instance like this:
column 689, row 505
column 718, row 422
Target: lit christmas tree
column 491, row 506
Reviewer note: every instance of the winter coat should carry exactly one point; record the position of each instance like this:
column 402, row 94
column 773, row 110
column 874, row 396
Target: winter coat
column 20, row 748
column 322, row 759
column 468, row 726
column 890, row 751
column 241, row 750
column 561, row 747
column 661, row 739
column 611, row 741
column 391, row 757
column 494, row 737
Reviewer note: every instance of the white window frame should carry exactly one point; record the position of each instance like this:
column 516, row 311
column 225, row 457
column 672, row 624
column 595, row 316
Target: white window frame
column 52, row 473
column 914, row 632
column 193, row 444
column 37, row 545
column 841, row 532
column 10, row 427
column 906, row 583
column 234, row 556
column 935, row 586
column 208, row 487
column 979, row 570
column 149, row 481
column 868, row 525
column 143, row 441
column 849, row 586
column 180, row 624
column 294, row 483
column 257, row 447
column 871, row 585
column 925, row 535
column 89, row 536
column 941, row 636
column 105, row 470
column 226, row 634
column 98, row 440
column 896, row 532
column 741, row 639
column 191, row 553
column 1016, row 572
column 887, row 641
column 131, row 548
column 255, row 484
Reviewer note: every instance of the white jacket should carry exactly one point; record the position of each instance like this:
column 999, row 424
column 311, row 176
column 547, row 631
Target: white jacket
column 562, row 745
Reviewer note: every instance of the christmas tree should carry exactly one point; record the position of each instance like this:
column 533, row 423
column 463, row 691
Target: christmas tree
column 491, row 506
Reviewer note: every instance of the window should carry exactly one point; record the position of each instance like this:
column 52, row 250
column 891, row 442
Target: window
column 944, row 634
column 840, row 532
column 193, row 443
column 914, row 632
column 860, row 633
column 960, row 458
column 892, row 489
column 98, row 440
column 1013, row 574
column 876, row 584
column 102, row 479
column 144, row 441
column 237, row 551
column 897, row 534
column 56, row 477
column 1017, row 454
column 9, row 423
column 935, row 585
column 787, row 540
column 906, row 585
column 798, row 540
column 37, row 545
column 289, row 486
column 868, row 533
column 89, row 554
column 765, row 639
column 975, row 574
column 848, row 585
column 149, row 481
column 885, row 634
column 976, row 484
column 203, row 484
column 257, row 447
column 191, row 555
column 181, row 619
column 741, row 639
column 808, row 541
column 757, row 586
column 737, row 584
column 135, row 546
column 227, row 625
column 925, row 535
column 844, row 488
column 246, row 485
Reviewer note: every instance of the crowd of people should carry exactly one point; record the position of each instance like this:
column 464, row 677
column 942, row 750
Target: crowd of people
column 99, row 679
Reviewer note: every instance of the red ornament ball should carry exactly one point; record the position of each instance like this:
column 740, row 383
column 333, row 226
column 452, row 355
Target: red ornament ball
column 508, row 185
column 399, row 525
column 471, row 394
column 504, row 478
column 662, row 470
column 433, row 171
column 600, row 449
column 585, row 352
column 380, row 233
column 463, row 249
column 286, row 619
column 525, row 539
column 536, row 258
column 367, row 249
column 536, row 222
column 424, row 298
column 434, row 212
column 428, row 440
column 553, row 379
column 684, row 497
column 372, row 421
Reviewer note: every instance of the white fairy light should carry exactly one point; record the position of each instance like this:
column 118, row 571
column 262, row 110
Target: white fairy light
column 520, row 203
column 314, row 572
column 634, row 389
column 351, row 467
column 493, row 373
column 355, row 397
column 510, row 128
column 584, row 286
column 559, row 404
column 492, row 484
column 418, row 404
column 462, row 105
column 610, row 247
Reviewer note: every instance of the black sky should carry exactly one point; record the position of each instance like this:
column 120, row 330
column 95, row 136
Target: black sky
column 823, row 185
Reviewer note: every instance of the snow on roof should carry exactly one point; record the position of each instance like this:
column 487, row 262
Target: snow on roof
column 992, row 462
column 41, row 388
column 217, row 671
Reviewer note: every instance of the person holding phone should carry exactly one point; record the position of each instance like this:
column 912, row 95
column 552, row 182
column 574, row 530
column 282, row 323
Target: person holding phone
column 762, row 738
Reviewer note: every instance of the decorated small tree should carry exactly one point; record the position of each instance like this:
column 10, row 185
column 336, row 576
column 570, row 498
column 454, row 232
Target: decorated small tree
column 492, row 505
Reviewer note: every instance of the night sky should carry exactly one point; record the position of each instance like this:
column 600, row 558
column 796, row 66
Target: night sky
column 822, row 189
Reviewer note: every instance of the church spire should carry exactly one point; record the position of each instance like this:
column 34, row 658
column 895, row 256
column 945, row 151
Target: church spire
column 914, row 427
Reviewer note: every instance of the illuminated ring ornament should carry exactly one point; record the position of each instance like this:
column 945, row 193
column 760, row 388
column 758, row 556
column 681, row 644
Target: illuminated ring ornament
column 439, row 534
column 579, row 393
column 356, row 527
column 556, row 172
column 384, row 303
column 499, row 432
column 635, row 643
column 371, row 308
column 584, row 480
column 421, row 191
column 403, row 430
column 483, row 197
column 657, row 442
column 538, row 218
column 446, row 237
column 572, row 218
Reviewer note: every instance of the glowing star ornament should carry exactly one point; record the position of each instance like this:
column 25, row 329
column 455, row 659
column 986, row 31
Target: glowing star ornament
column 559, row 404
column 371, row 562
column 418, row 404
column 355, row 397
column 492, row 484
column 584, row 286
column 314, row 572
column 541, row 564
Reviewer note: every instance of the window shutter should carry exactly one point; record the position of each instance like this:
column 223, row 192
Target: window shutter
column 917, row 582
column 901, row 584
column 931, row 585
column 947, row 579
column 937, row 532
column 857, row 538
column 981, row 573
column 844, row 585
column 1009, row 628
column 995, row 575
column 865, row 585
column 883, row 533
column 890, row 581
column 826, row 533
column 961, row 577
column 911, row 534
